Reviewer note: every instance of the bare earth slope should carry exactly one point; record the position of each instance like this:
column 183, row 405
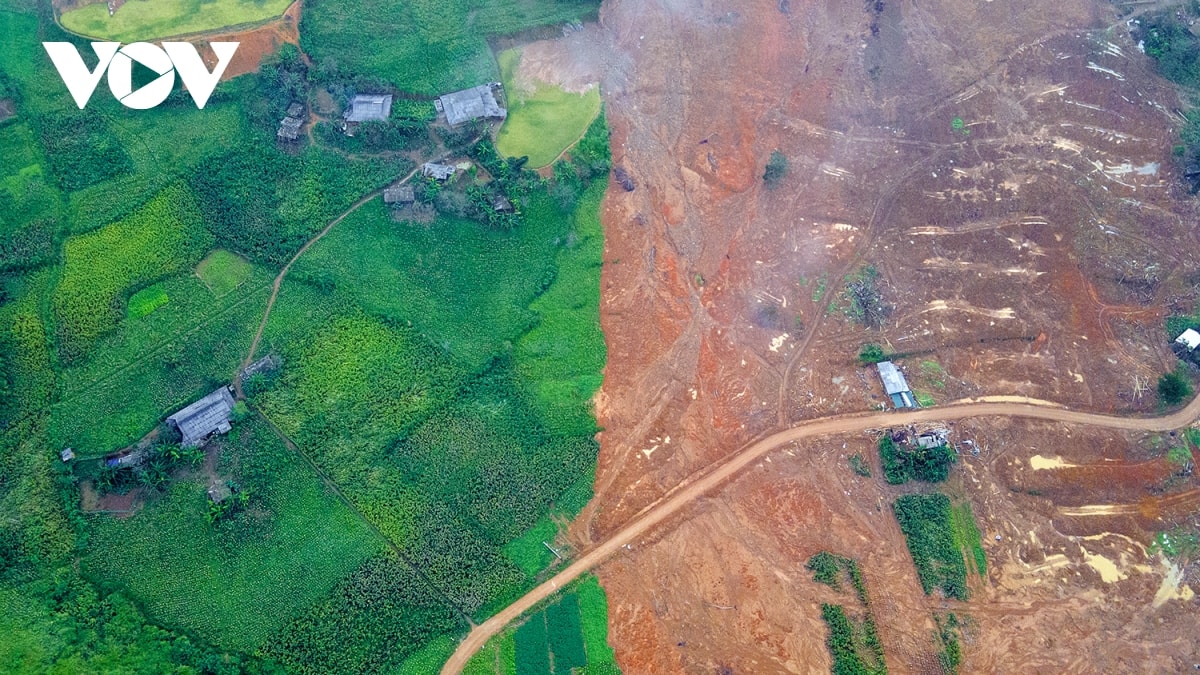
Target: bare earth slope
column 1006, row 167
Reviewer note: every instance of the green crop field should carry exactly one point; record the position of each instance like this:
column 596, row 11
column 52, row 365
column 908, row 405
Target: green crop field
column 145, row 20
column 238, row 583
column 223, row 271
column 435, row 379
column 100, row 268
column 569, row 635
column 443, row 46
column 542, row 123
column 928, row 523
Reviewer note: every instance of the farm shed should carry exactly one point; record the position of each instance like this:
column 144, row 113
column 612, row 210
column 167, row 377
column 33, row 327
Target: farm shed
column 501, row 204
column 289, row 129
column 219, row 491
column 399, row 194
column 67, row 454
column 471, row 104
column 438, row 171
column 204, row 418
column 265, row 364
column 895, row 385
column 369, row 108
column 1188, row 338
column 296, row 109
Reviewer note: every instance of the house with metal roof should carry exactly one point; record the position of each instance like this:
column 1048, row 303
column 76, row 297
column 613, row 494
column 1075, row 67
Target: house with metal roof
column 475, row 103
column 438, row 171
column 895, row 385
column 369, row 108
column 399, row 195
column 210, row 415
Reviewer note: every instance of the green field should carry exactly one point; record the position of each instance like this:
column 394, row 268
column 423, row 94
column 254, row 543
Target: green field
column 148, row 367
column 103, row 267
column 569, row 635
column 443, row 46
column 935, row 537
column 223, row 271
column 436, row 378
column 542, row 123
column 238, row 583
column 145, row 20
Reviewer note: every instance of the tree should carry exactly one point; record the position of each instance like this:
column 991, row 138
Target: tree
column 871, row 353
column 1173, row 388
column 777, row 168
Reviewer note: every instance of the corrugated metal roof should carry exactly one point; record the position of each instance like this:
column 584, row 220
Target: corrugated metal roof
column 204, row 417
column 369, row 107
column 893, row 379
column 470, row 104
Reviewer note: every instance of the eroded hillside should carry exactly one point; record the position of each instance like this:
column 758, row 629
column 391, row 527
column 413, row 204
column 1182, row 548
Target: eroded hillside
column 1006, row 168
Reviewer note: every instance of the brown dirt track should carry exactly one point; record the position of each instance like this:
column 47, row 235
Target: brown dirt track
column 1033, row 256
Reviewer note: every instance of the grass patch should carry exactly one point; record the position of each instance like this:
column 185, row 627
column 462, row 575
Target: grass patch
column 542, row 123
column 144, row 302
column 928, row 527
column 933, row 373
column 924, row 398
column 144, row 20
column 238, row 582
column 528, row 550
column 223, row 272
column 858, row 464
column 968, row 538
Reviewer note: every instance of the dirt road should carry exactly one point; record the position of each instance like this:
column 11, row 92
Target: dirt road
column 713, row 476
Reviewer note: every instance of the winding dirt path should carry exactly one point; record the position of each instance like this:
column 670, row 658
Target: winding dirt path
column 706, row 480
column 286, row 268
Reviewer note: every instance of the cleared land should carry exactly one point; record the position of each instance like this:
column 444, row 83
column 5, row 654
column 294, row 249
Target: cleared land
column 543, row 119
column 145, row 20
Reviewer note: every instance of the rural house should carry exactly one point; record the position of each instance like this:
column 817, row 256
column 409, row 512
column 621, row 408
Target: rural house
column 289, row 129
column 438, row 171
column 366, row 108
column 204, row 418
column 475, row 103
column 895, row 385
column 369, row 108
column 399, row 195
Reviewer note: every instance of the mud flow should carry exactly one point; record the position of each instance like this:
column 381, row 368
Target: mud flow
column 1006, row 171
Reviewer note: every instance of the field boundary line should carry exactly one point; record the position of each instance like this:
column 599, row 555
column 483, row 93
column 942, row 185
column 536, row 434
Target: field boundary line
column 337, row 491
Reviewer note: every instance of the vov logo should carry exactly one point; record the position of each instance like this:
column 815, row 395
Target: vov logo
column 171, row 58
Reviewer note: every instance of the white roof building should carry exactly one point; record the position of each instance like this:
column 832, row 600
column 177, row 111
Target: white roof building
column 895, row 385
column 1189, row 338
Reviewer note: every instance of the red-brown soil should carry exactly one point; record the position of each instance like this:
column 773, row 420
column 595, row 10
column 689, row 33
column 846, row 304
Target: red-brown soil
column 1023, row 253
column 256, row 43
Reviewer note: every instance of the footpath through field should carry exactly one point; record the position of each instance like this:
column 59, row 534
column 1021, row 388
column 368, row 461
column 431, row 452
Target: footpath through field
column 709, row 478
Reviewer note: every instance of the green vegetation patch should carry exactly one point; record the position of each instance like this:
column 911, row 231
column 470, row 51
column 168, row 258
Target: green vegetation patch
column 239, row 581
column 80, row 148
column 854, row 643
column 948, row 637
column 968, row 537
column 374, row 619
column 928, row 527
column 163, row 237
column 144, row 20
column 831, row 569
column 544, row 122
column 145, row 301
column 902, row 463
column 223, row 271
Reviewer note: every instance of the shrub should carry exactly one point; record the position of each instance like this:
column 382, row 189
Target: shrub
column 871, row 354
column 1174, row 388
column 931, row 465
column 777, row 168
